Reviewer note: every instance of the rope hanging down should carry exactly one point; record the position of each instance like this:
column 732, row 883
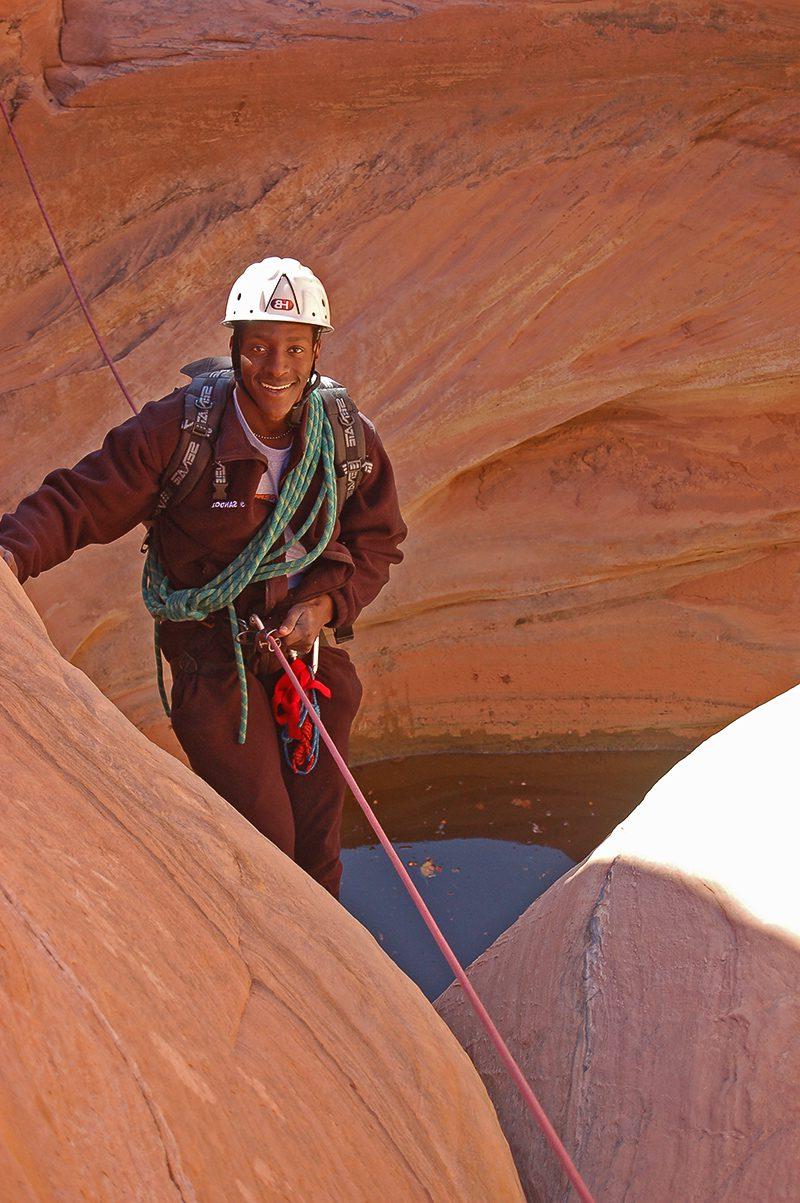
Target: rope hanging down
column 531, row 1101
column 37, row 196
column 262, row 558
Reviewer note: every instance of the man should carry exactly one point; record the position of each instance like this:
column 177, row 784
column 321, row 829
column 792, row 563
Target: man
column 277, row 311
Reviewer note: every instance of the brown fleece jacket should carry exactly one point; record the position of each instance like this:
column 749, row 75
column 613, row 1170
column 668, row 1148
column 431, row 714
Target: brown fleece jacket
column 114, row 489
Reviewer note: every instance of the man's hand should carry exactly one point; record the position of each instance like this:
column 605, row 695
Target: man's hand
column 6, row 555
column 304, row 622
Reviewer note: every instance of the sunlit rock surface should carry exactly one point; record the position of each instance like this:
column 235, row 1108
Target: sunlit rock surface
column 560, row 241
column 651, row 995
column 183, row 1013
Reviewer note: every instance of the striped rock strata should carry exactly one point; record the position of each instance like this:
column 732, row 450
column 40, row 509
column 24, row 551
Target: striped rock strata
column 560, row 241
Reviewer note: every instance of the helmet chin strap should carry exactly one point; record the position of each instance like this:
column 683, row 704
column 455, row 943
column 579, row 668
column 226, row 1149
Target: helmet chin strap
column 296, row 412
column 236, row 358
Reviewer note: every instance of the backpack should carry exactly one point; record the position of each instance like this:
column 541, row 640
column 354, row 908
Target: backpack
column 204, row 404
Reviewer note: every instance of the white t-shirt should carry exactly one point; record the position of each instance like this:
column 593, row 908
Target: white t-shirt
column 269, row 485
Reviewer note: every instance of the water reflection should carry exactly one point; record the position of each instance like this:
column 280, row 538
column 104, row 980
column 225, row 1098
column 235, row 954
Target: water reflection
column 482, row 837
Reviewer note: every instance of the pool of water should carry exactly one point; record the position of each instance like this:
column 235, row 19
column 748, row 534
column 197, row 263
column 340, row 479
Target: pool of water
column 482, row 837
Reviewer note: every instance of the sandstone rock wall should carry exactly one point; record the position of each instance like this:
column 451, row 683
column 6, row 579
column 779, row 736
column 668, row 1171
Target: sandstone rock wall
column 651, row 994
column 183, row 1013
column 560, row 241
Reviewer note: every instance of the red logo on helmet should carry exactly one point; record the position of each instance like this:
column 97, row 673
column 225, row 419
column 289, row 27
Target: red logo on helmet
column 281, row 303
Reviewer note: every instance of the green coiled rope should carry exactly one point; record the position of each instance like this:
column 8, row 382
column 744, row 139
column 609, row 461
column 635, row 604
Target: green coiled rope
column 262, row 558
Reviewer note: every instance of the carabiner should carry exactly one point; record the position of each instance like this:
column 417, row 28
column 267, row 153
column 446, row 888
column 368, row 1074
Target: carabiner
column 262, row 635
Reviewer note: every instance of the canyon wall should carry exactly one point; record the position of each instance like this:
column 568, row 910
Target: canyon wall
column 560, row 244
column 184, row 1014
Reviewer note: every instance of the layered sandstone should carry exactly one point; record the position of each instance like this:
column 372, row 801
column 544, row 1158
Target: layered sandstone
column 183, row 1013
column 560, row 241
column 651, row 995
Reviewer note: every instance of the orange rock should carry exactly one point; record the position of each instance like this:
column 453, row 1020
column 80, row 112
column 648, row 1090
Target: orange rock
column 183, row 1013
column 651, row 994
column 560, row 242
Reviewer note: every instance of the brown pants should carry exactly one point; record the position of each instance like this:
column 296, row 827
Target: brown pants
column 301, row 814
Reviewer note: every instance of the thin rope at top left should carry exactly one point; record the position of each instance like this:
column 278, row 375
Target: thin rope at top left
column 98, row 336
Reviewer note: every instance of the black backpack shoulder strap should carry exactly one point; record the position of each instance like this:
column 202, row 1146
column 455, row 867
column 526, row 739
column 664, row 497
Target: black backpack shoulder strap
column 349, row 437
column 211, row 363
column 203, row 406
column 204, row 402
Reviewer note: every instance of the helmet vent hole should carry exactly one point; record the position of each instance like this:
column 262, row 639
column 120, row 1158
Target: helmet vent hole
column 239, row 297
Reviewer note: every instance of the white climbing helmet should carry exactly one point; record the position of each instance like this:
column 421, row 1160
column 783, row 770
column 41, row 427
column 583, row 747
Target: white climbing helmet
column 278, row 290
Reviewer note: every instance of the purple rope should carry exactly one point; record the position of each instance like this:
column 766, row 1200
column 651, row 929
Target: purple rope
column 98, row 337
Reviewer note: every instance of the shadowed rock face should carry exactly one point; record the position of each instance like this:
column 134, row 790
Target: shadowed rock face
column 560, row 242
column 651, row 995
column 183, row 1013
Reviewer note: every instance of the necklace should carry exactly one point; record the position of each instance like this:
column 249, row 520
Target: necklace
column 266, row 438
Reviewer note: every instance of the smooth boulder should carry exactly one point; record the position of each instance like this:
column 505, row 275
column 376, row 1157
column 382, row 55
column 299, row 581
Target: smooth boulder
column 651, row 994
column 184, row 1014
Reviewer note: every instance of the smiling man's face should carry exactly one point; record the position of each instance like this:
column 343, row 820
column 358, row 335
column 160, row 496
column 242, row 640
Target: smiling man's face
column 277, row 359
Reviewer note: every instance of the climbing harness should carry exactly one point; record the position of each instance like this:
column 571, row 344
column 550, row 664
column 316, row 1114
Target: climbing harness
column 261, row 559
column 174, row 599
